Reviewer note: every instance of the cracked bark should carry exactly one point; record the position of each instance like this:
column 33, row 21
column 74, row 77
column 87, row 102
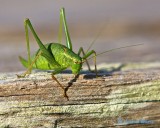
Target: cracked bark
column 126, row 96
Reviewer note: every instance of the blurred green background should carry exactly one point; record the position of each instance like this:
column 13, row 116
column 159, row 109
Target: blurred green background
column 120, row 22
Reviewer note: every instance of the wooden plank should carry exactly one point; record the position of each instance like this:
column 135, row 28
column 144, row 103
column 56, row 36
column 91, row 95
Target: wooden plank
column 126, row 96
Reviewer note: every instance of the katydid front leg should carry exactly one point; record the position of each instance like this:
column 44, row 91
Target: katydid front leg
column 54, row 78
column 64, row 91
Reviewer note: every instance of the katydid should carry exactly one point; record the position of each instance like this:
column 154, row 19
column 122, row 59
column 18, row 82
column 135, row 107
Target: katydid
column 56, row 56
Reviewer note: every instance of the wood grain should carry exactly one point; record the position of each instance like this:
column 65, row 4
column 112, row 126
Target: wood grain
column 125, row 96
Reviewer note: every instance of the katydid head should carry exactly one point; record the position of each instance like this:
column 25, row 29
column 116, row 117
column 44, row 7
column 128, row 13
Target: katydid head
column 76, row 67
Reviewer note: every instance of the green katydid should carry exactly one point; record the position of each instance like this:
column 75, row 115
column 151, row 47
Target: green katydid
column 55, row 56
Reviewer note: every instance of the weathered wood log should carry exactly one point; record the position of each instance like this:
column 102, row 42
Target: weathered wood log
column 127, row 95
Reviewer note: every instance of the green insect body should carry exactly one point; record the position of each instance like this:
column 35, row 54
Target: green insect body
column 55, row 56
column 62, row 55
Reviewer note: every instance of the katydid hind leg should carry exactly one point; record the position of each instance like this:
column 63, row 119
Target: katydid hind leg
column 60, row 29
column 63, row 18
column 28, row 45
column 50, row 58
column 24, row 62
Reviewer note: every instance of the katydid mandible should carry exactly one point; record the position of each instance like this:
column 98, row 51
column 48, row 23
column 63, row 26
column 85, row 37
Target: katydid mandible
column 55, row 56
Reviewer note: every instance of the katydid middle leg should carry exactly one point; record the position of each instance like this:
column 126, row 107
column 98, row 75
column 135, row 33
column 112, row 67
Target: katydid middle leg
column 81, row 50
column 89, row 54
